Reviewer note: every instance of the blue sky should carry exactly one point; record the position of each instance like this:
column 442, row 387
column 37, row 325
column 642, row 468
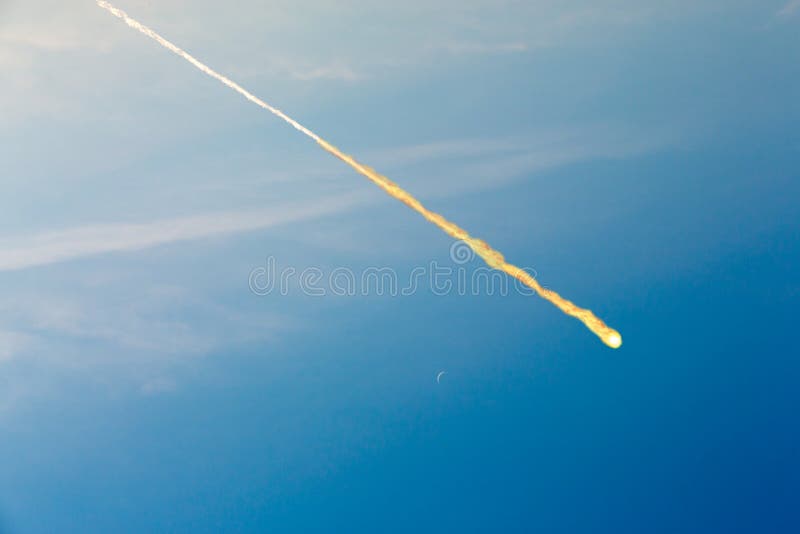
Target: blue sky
column 643, row 159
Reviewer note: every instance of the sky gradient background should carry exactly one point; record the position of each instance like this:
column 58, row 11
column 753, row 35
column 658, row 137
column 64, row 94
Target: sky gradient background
column 643, row 159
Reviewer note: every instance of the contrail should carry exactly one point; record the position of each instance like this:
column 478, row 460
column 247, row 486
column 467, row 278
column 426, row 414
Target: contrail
column 492, row 257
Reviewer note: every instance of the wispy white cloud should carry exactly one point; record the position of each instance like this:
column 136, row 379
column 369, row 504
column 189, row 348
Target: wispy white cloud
column 790, row 8
column 20, row 252
column 476, row 164
column 451, row 148
column 145, row 322
column 118, row 335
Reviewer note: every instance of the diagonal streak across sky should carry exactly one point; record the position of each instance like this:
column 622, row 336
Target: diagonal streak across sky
column 492, row 257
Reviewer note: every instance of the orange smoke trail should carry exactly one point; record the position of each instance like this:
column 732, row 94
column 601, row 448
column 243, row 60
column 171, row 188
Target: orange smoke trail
column 492, row 257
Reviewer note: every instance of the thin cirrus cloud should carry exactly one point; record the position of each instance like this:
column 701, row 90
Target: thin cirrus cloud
column 62, row 245
column 790, row 8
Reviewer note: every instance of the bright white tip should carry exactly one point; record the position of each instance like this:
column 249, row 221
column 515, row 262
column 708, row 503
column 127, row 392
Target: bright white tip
column 613, row 340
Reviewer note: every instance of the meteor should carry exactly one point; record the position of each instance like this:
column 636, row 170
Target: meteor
column 492, row 257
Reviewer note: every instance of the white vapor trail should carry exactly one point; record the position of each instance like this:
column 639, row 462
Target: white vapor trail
column 205, row 68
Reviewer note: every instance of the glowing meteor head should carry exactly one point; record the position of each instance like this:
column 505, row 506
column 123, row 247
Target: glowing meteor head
column 613, row 339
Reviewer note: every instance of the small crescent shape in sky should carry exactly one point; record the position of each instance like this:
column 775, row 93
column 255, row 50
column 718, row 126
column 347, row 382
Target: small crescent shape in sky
column 439, row 376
